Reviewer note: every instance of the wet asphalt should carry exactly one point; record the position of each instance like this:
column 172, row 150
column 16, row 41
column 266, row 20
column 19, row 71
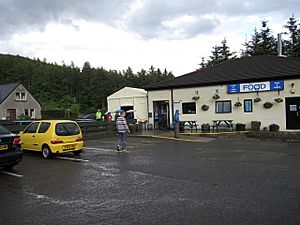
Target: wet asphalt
column 224, row 181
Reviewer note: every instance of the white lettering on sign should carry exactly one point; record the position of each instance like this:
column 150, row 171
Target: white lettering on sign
column 262, row 86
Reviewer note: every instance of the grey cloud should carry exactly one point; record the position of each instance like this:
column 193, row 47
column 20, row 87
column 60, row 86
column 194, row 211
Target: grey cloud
column 24, row 15
column 148, row 22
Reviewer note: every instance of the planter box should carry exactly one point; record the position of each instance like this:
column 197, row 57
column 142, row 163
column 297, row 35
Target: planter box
column 240, row 127
column 205, row 127
column 274, row 127
column 149, row 126
column 181, row 126
column 255, row 125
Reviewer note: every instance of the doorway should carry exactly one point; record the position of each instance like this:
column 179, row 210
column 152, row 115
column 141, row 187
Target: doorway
column 129, row 114
column 11, row 114
column 161, row 115
column 292, row 109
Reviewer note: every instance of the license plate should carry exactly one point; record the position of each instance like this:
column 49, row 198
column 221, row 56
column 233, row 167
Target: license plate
column 68, row 147
column 3, row 147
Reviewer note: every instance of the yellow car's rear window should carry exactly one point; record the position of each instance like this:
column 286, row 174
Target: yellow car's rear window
column 66, row 129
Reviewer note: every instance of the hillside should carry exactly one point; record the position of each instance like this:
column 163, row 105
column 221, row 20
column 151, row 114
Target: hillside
column 69, row 87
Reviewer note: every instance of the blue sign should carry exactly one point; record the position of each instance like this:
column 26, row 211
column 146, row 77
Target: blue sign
column 277, row 85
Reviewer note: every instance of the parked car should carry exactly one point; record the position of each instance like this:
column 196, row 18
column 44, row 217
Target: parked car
column 10, row 148
column 52, row 137
column 86, row 118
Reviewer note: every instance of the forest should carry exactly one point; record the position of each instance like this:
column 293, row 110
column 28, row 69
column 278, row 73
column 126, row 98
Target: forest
column 61, row 87
column 84, row 90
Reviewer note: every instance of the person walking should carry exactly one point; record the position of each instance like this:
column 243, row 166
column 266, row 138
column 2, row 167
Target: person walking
column 176, row 123
column 123, row 129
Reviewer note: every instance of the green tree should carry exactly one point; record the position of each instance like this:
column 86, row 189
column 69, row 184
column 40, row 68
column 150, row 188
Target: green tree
column 63, row 87
column 261, row 43
column 220, row 54
column 292, row 46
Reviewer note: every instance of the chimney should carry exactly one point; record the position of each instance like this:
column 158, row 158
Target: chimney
column 279, row 44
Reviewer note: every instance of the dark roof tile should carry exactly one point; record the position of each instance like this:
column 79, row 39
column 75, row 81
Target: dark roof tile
column 249, row 69
column 6, row 89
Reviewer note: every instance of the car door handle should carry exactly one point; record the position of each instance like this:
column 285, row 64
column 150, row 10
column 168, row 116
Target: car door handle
column 33, row 135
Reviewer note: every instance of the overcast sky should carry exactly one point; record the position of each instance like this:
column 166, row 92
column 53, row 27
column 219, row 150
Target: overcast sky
column 115, row 34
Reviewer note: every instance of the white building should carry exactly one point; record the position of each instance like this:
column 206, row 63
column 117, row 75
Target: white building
column 260, row 88
column 130, row 99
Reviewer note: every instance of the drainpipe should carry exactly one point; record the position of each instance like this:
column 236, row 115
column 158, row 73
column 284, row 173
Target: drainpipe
column 148, row 107
column 172, row 105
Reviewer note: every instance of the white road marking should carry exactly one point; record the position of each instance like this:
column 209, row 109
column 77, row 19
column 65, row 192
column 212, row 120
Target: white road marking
column 106, row 150
column 12, row 174
column 101, row 149
column 72, row 159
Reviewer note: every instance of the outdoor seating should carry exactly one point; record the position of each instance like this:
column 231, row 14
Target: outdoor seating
column 192, row 124
column 217, row 123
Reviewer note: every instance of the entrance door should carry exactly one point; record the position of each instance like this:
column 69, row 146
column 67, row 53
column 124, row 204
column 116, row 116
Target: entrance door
column 11, row 114
column 161, row 115
column 129, row 114
column 292, row 108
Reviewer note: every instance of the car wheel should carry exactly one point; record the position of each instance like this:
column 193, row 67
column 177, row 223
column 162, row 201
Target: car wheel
column 77, row 152
column 46, row 152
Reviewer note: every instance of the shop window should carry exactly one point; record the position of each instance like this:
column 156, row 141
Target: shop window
column 189, row 108
column 248, row 105
column 223, row 106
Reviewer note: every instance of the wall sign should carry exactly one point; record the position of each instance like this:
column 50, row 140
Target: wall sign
column 276, row 85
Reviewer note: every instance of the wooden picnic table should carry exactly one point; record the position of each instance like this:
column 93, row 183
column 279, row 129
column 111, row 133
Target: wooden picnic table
column 191, row 123
column 216, row 124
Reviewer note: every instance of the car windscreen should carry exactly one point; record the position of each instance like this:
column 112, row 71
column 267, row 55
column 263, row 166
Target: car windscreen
column 66, row 129
column 3, row 130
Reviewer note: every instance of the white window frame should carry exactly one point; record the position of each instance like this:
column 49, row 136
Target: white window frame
column 21, row 96
column 32, row 113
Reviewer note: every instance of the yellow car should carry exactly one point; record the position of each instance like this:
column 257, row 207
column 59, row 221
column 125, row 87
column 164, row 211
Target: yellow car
column 52, row 137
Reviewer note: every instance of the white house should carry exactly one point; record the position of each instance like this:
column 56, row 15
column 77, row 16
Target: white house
column 130, row 99
column 259, row 88
column 15, row 100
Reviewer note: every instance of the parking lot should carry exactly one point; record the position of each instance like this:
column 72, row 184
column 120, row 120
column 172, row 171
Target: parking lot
column 222, row 181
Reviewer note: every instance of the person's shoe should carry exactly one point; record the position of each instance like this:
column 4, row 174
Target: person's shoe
column 118, row 148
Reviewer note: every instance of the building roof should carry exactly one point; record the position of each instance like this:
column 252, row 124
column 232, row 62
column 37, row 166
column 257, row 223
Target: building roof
column 128, row 92
column 6, row 89
column 242, row 70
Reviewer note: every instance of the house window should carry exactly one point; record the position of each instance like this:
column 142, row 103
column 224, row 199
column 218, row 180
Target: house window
column 32, row 114
column 26, row 112
column 223, row 106
column 20, row 96
column 248, row 105
column 189, row 108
